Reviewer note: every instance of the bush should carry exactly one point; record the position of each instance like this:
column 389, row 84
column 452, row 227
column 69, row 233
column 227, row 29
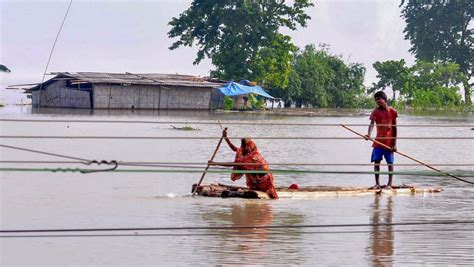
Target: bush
column 252, row 99
column 260, row 104
column 228, row 103
column 255, row 102
column 438, row 98
column 399, row 104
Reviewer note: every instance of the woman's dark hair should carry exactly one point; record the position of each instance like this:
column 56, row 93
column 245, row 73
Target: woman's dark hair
column 382, row 95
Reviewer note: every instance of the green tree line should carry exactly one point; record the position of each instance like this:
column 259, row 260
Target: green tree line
column 321, row 79
column 243, row 39
column 423, row 85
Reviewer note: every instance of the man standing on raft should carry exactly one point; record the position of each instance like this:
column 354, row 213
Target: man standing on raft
column 386, row 119
column 248, row 153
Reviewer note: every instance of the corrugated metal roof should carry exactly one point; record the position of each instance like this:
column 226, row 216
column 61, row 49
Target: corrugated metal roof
column 142, row 79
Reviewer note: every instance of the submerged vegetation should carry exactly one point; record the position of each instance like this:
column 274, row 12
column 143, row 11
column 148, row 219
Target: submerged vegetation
column 185, row 128
column 228, row 103
column 256, row 102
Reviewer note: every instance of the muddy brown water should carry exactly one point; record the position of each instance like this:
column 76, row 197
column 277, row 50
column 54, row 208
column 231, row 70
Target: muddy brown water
column 43, row 200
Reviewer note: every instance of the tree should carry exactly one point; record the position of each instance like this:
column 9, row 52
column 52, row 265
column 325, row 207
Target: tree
column 324, row 80
column 442, row 31
column 4, row 68
column 423, row 85
column 241, row 37
column 272, row 65
column 392, row 74
column 430, row 75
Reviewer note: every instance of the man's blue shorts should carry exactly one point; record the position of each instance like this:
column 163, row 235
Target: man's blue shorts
column 379, row 153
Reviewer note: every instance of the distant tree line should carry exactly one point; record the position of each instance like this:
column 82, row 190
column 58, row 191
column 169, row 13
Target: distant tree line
column 320, row 79
column 423, row 85
column 243, row 40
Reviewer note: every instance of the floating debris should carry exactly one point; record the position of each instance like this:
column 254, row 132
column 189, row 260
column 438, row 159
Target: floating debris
column 185, row 128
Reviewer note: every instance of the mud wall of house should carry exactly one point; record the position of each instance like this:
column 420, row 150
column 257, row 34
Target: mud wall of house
column 150, row 97
column 217, row 99
column 58, row 95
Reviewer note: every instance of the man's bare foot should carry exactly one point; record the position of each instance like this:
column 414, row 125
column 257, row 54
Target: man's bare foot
column 375, row 187
column 389, row 187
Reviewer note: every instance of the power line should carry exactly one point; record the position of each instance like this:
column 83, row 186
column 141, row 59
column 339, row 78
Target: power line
column 229, row 171
column 235, row 123
column 43, row 152
column 116, row 164
column 217, row 138
column 201, row 164
column 83, row 161
column 52, row 49
column 231, row 233
column 437, row 222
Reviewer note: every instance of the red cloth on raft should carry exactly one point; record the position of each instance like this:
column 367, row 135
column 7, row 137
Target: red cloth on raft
column 255, row 181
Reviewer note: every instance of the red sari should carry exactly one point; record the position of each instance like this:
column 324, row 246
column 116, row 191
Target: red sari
column 255, row 181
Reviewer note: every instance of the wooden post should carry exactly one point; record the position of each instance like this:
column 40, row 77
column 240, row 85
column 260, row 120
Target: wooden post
column 208, row 165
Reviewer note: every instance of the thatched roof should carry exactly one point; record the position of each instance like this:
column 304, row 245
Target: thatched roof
column 158, row 79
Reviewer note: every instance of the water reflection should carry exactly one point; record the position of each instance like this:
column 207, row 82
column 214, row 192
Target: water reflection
column 381, row 249
column 124, row 112
column 254, row 246
column 252, row 214
column 258, row 247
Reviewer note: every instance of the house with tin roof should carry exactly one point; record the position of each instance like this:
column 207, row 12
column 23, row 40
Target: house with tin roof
column 96, row 90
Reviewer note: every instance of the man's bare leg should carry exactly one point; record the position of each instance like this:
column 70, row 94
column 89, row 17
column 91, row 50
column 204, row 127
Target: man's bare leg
column 377, row 176
column 390, row 176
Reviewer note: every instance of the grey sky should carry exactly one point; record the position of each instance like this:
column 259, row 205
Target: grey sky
column 120, row 36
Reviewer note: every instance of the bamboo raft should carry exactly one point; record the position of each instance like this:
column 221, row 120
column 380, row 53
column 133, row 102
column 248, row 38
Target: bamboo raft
column 225, row 191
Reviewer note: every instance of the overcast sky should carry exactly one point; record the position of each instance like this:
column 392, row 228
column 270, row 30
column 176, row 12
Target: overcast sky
column 121, row 36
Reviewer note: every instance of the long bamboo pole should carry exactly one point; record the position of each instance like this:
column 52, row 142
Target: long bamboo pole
column 406, row 156
column 208, row 165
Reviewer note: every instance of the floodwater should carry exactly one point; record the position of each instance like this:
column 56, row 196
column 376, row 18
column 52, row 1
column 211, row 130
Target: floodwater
column 65, row 200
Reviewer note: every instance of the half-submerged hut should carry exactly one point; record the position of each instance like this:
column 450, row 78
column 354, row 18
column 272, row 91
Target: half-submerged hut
column 94, row 90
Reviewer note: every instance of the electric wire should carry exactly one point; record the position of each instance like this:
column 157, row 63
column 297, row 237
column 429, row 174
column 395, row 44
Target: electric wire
column 217, row 138
column 43, row 152
column 234, row 123
column 202, row 164
column 262, row 232
column 229, row 171
column 188, row 170
column 242, row 227
column 54, row 45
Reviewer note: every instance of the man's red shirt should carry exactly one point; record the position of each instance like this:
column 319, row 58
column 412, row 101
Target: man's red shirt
column 384, row 118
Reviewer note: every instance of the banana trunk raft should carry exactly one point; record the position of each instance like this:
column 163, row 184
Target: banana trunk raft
column 222, row 190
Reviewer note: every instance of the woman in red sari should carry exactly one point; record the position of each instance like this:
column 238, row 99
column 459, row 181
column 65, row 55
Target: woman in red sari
column 248, row 153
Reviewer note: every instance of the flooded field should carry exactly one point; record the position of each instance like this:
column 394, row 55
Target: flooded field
column 59, row 200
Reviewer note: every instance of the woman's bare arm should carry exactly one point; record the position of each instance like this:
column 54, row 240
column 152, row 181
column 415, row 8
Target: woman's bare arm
column 232, row 146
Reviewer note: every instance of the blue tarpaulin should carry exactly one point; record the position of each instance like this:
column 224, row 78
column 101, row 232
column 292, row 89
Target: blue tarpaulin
column 233, row 89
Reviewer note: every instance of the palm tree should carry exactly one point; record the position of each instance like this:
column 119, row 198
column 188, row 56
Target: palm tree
column 4, row 68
